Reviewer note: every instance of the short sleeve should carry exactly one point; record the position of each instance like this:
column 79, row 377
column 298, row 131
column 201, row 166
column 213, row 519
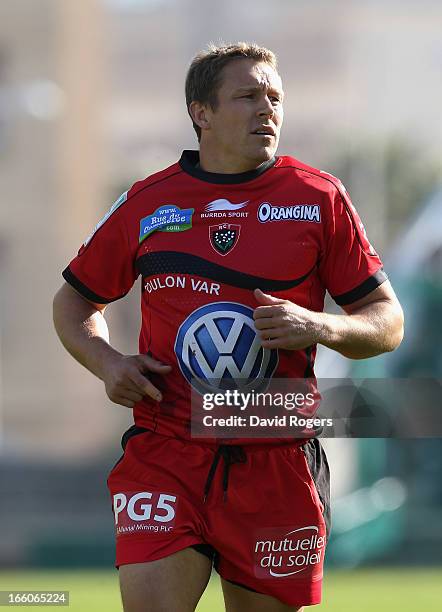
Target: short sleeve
column 349, row 267
column 103, row 270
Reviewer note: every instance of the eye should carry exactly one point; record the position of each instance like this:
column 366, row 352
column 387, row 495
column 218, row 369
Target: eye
column 247, row 96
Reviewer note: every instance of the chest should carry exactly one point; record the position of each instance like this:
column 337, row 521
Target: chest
column 264, row 235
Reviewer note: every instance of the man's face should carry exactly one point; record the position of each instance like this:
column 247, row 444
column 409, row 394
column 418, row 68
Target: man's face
column 242, row 131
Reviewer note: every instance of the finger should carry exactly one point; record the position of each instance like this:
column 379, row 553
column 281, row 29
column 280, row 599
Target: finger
column 267, row 323
column 266, row 298
column 131, row 394
column 265, row 311
column 144, row 385
column 153, row 365
column 273, row 343
column 122, row 401
column 267, row 334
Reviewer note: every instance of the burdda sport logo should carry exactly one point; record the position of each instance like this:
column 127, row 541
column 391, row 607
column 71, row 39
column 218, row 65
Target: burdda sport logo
column 223, row 208
column 217, row 348
column 295, row 553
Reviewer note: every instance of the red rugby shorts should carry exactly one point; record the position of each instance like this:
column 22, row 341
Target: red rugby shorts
column 262, row 511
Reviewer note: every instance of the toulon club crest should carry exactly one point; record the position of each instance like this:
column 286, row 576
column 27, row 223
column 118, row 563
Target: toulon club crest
column 224, row 237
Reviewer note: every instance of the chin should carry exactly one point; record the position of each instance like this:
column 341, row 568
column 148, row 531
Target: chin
column 264, row 154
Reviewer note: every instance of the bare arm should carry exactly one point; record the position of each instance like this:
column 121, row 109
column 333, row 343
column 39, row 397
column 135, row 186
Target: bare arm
column 371, row 326
column 83, row 331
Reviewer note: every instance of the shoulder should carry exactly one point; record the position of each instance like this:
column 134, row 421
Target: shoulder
column 127, row 206
column 143, row 185
column 310, row 176
column 139, row 195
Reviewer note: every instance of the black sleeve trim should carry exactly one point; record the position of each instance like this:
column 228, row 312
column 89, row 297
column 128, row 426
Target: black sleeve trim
column 369, row 285
column 70, row 278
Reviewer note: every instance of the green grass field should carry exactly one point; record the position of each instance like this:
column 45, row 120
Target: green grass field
column 381, row 590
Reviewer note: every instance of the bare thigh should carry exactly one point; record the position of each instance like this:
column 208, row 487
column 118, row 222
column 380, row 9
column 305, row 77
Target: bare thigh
column 238, row 599
column 172, row 584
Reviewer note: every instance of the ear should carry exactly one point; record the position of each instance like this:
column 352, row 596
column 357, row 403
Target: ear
column 200, row 114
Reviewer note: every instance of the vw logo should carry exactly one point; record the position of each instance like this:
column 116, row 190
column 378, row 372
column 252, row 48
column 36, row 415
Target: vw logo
column 217, row 348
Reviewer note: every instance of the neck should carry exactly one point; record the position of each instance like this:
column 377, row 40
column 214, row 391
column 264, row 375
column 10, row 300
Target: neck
column 213, row 162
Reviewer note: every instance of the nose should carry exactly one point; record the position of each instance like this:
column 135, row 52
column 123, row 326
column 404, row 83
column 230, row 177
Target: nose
column 266, row 108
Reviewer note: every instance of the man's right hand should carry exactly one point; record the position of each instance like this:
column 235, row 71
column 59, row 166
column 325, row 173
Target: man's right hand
column 81, row 327
column 126, row 382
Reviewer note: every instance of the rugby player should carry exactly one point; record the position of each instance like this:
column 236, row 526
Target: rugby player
column 236, row 248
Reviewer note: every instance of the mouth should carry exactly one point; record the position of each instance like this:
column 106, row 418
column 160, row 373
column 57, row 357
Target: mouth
column 264, row 131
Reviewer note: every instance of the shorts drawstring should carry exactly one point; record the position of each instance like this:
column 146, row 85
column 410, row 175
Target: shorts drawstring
column 231, row 454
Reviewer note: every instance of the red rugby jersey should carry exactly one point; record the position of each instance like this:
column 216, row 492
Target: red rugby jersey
column 202, row 242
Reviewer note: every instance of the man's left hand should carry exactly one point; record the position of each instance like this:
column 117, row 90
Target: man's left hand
column 283, row 324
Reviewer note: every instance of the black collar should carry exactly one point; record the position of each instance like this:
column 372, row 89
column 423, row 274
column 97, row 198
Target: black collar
column 190, row 159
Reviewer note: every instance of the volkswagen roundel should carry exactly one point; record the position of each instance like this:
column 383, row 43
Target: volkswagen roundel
column 217, row 348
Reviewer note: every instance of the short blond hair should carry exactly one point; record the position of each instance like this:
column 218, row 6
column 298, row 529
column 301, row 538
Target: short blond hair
column 203, row 78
